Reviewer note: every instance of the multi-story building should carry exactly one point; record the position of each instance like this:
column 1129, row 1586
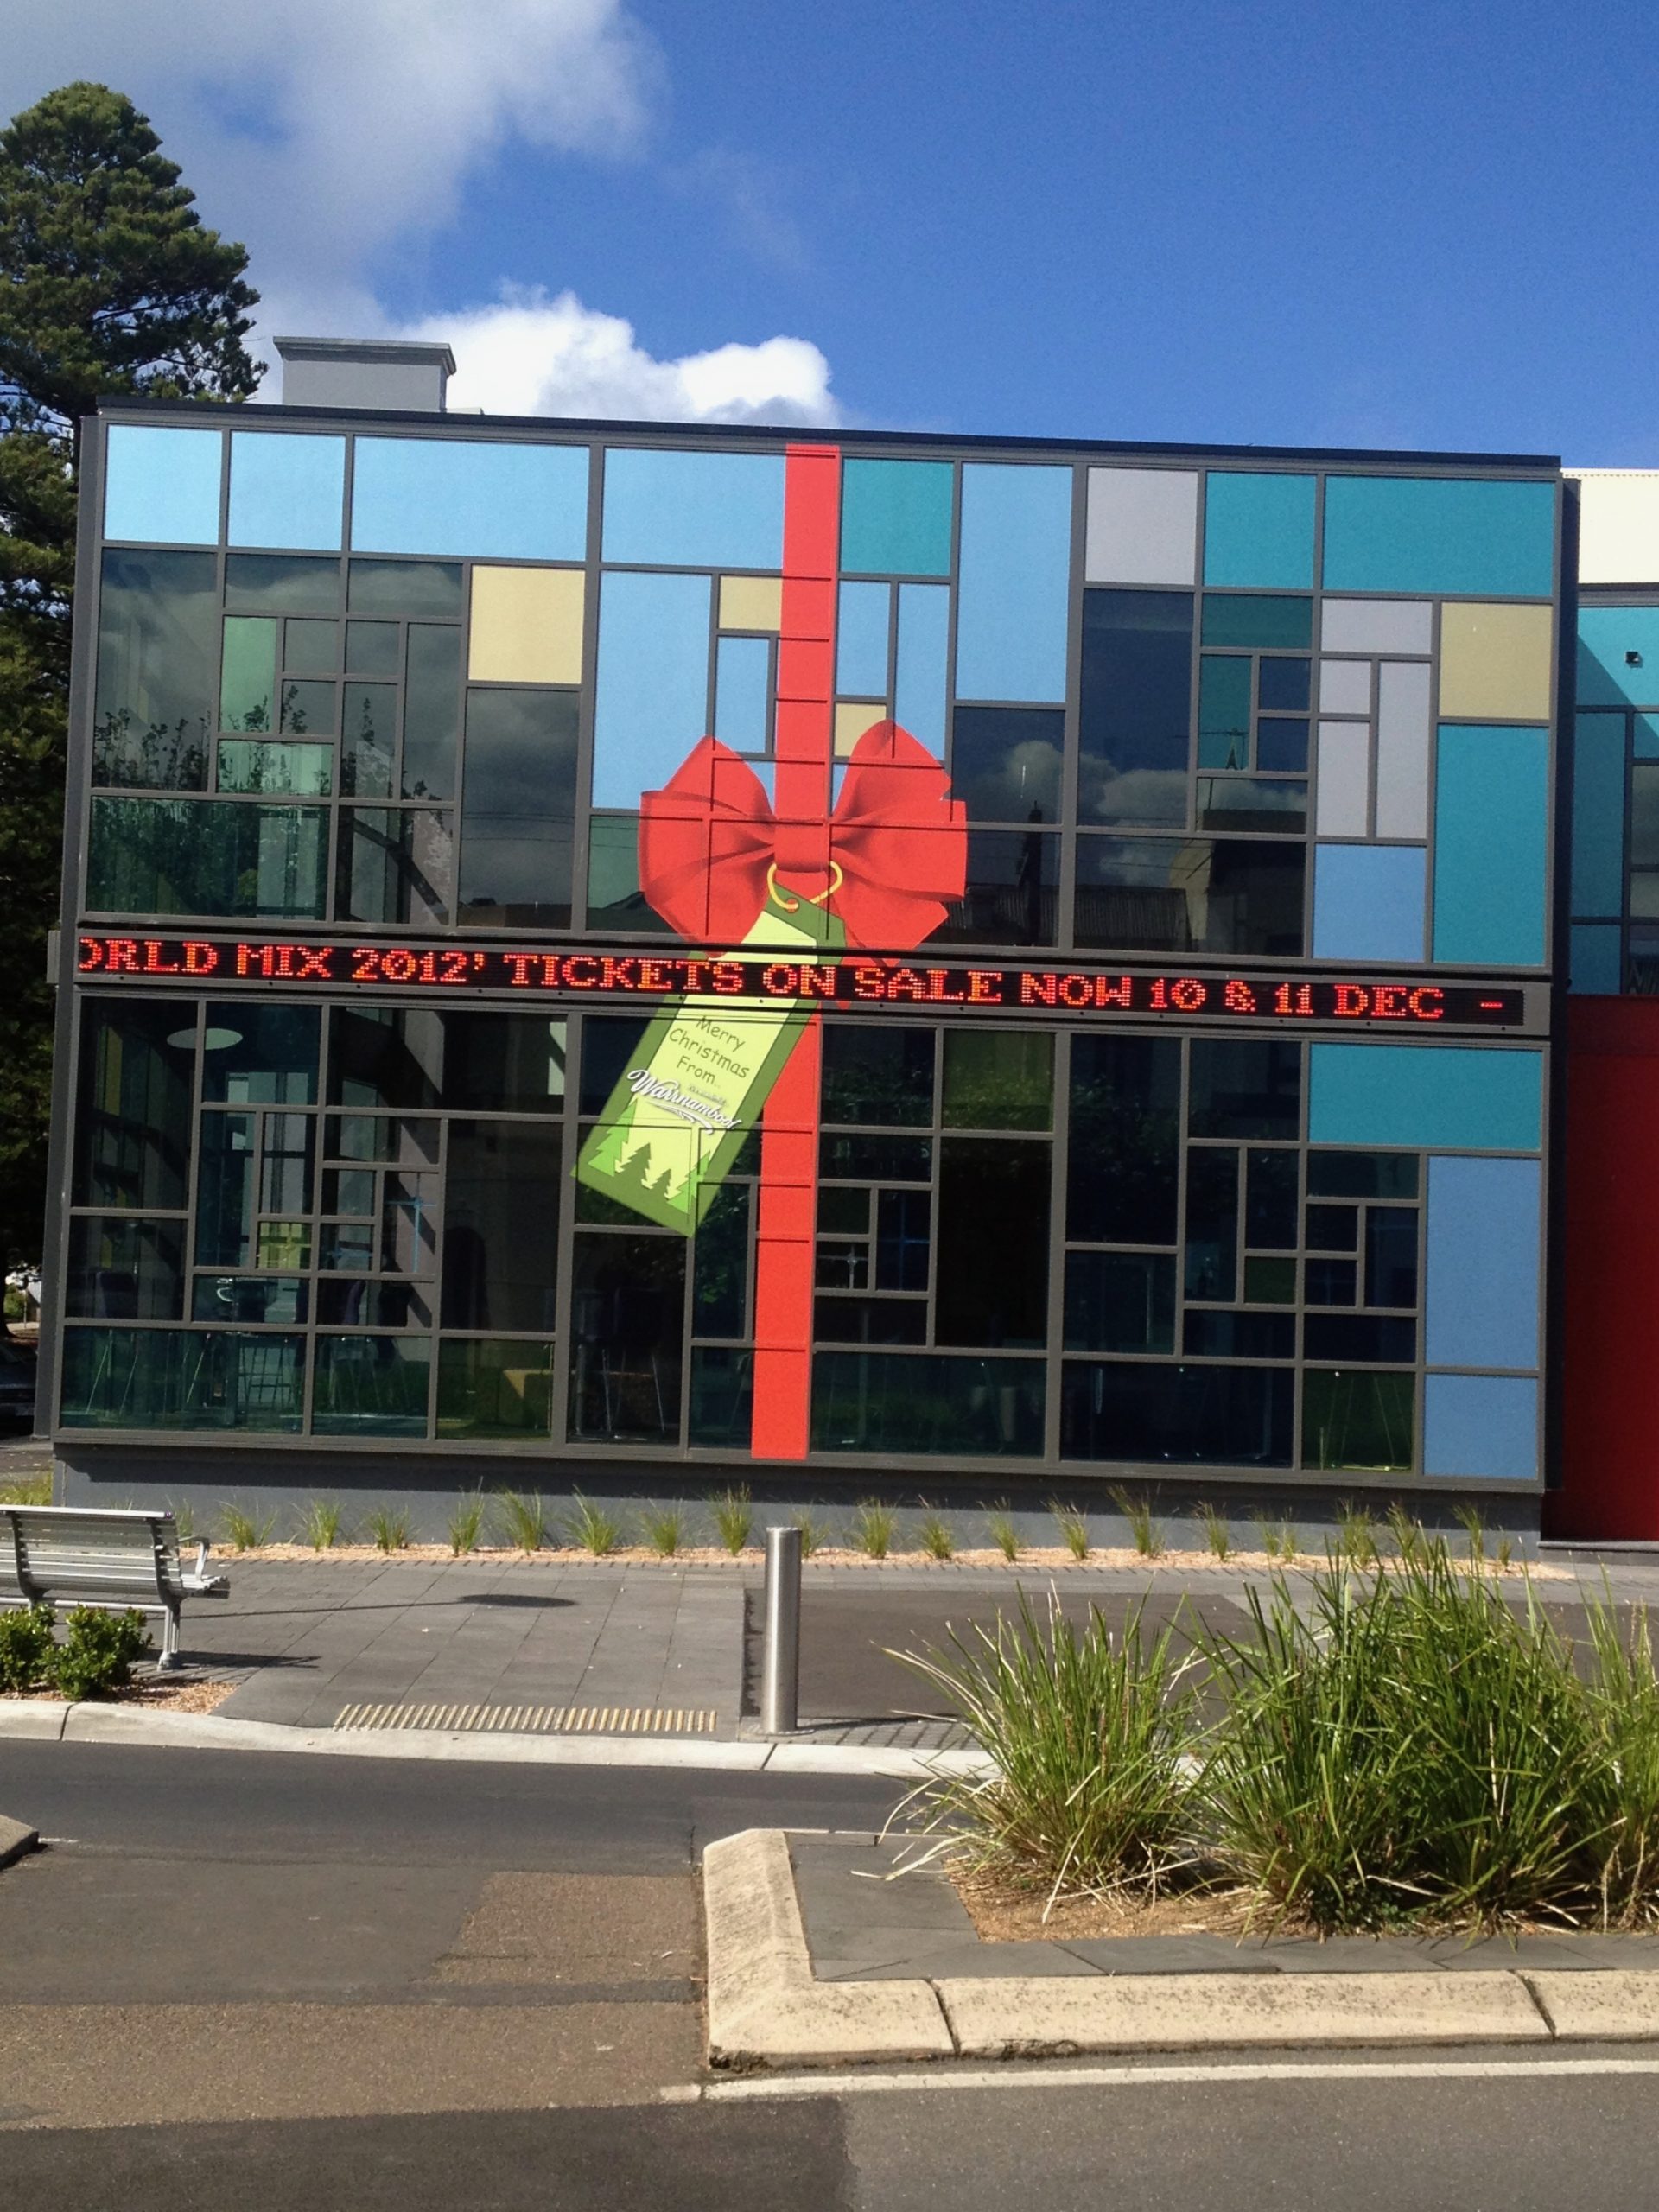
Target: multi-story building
column 614, row 956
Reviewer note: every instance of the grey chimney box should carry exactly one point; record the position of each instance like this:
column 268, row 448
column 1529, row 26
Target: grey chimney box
column 365, row 373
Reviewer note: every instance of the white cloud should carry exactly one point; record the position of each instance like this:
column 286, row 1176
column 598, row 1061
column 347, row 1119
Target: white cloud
column 529, row 354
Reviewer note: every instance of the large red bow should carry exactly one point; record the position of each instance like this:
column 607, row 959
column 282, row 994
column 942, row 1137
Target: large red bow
column 709, row 842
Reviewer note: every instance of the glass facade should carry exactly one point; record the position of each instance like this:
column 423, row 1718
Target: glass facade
column 1227, row 776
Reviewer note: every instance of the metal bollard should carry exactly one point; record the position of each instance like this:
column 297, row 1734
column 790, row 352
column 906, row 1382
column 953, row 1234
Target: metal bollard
column 781, row 1680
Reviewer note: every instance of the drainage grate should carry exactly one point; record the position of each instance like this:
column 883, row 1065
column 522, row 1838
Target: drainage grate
column 538, row 1720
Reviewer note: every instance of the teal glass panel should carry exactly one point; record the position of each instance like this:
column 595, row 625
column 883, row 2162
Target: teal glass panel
column 1594, row 963
column 181, row 1379
column 460, row 496
column 1258, row 531
column 1014, row 593
column 862, row 619
column 1481, row 1427
column 743, row 693
column 895, row 517
column 288, row 490
column 1368, row 902
column 1599, row 815
column 207, row 856
column 1492, row 845
column 1480, row 1303
column 1645, row 735
column 1224, row 711
column 652, row 684
column 298, row 771
column 694, row 510
column 1454, row 1098
column 161, row 486
column 922, row 663
column 1439, row 534
column 1607, row 675
column 1284, row 623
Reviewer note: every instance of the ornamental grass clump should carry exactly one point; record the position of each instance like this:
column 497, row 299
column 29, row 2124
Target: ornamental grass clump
column 1087, row 1728
column 1073, row 1528
column 733, row 1519
column 1146, row 1533
column 592, row 1530
column 874, row 1524
column 933, row 1536
column 1411, row 1750
column 523, row 1518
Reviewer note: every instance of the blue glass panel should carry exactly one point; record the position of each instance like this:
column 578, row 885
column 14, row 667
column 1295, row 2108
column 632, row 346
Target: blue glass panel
column 1481, row 1427
column 1258, row 531
column 1481, row 1296
column 922, row 663
column 862, row 640
column 1593, row 963
column 652, row 686
column 1467, row 1098
column 1492, row 845
column 462, row 496
column 1015, row 573
column 1439, row 534
column 1368, row 902
column 694, row 510
column 895, row 517
column 742, row 692
column 161, row 487
column 287, row 491
column 1607, row 676
column 1599, row 815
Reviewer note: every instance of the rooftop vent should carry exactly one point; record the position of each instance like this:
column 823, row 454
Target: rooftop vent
column 364, row 372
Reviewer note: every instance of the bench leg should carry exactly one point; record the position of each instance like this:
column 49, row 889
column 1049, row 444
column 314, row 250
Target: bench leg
column 170, row 1655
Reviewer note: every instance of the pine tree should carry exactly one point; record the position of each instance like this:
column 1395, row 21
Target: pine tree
column 109, row 286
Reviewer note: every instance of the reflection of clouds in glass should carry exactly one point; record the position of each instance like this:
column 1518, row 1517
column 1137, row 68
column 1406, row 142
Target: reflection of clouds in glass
column 1027, row 776
column 1142, row 795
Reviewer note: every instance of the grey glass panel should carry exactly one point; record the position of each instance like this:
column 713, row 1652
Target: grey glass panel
column 1125, row 1140
column 869, row 1159
column 157, row 670
column 893, row 1401
column 1254, row 802
column 1381, row 1337
column 1120, row 1301
column 517, row 807
column 840, row 1266
column 1344, row 687
column 1245, row 1087
column 181, row 1379
column 431, row 711
column 1362, row 1175
column 506, row 1063
column 1358, row 1421
column 903, row 1233
column 609, row 1042
column 1238, row 1336
column 132, row 1120
column 263, row 764
column 250, row 1298
column 372, row 649
column 1237, row 1416
column 880, row 1072
column 721, row 1397
column 1343, row 803
column 310, row 648
column 369, row 738
column 1332, row 1229
column 307, row 709
column 359, row 1303
column 224, row 1191
column 1270, row 1201
column 1158, row 894
column 1005, row 761
column 1391, row 1257
column 280, row 583
column 843, row 1211
column 720, row 1265
column 260, row 1055
column 1143, row 526
column 501, row 1224
column 1011, row 899
column 1644, row 815
column 383, row 1056
column 1403, row 724
column 614, row 899
column 412, row 587
column 370, row 1386
column 1211, row 1260
column 996, row 1081
column 206, row 856
column 1135, row 706
column 1329, row 1282
column 494, row 1388
column 991, row 1287
column 869, row 1320
column 627, row 1305
column 122, row 1269
column 395, row 865
column 371, row 1136
column 1377, row 625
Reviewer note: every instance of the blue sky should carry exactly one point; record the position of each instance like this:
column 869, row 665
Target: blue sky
column 1410, row 225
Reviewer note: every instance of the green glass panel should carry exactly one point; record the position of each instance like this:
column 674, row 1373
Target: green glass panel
column 248, row 685
column 1223, row 712
column 495, row 1387
column 1243, row 618
column 998, row 1081
column 370, row 1386
column 300, row 770
column 181, row 1379
column 1269, row 1282
column 1358, row 1421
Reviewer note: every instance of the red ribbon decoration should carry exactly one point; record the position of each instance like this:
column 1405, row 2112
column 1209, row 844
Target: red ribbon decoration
column 709, row 840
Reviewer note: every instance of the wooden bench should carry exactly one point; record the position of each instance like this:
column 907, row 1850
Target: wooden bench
column 86, row 1556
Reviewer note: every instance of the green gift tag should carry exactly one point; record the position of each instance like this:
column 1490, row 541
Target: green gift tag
column 679, row 1114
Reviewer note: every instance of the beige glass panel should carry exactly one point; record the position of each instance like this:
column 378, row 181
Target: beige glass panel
column 852, row 721
column 527, row 625
column 751, row 602
column 1494, row 662
column 1343, row 806
column 1403, row 723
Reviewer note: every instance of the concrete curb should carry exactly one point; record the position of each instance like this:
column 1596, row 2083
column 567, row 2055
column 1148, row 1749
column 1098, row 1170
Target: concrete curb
column 45, row 1719
column 16, row 1841
column 765, row 2009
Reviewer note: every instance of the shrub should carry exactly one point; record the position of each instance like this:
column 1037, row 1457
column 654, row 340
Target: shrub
column 933, row 1535
column 466, row 1522
column 247, row 1532
column 592, row 1530
column 1217, row 1534
column 319, row 1524
column 664, row 1530
column 1074, row 1529
column 523, row 1518
column 1004, row 1533
column 1087, row 1730
column 1146, row 1533
column 872, row 1527
column 26, row 1648
column 389, row 1525
column 734, row 1518
column 98, row 1652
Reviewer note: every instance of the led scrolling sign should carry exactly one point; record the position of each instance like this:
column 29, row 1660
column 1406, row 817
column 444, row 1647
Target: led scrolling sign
column 849, row 984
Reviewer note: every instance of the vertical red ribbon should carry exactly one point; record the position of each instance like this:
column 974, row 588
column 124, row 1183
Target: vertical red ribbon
column 804, row 749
